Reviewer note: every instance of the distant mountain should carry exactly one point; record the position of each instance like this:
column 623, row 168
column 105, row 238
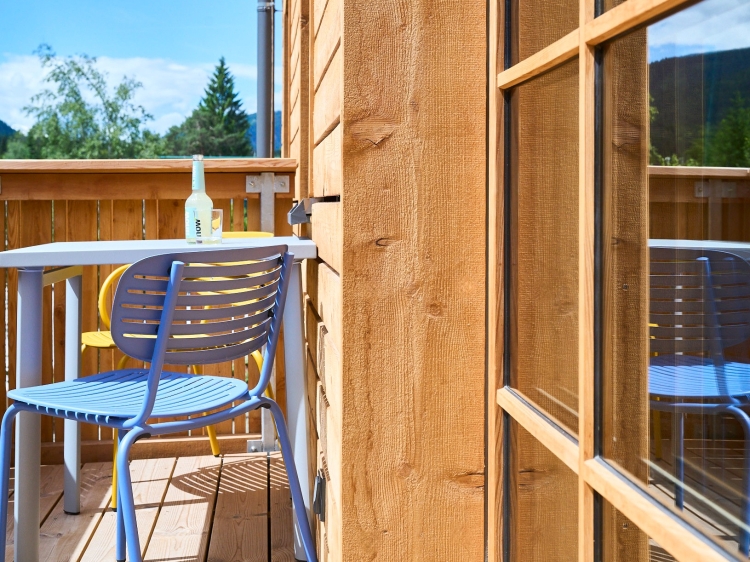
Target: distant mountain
column 693, row 92
column 5, row 129
column 276, row 132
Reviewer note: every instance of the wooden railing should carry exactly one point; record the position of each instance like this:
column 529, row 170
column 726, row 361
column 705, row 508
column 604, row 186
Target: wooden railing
column 78, row 200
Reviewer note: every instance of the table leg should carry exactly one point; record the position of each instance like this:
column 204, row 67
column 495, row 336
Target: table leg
column 72, row 441
column 28, row 425
column 294, row 356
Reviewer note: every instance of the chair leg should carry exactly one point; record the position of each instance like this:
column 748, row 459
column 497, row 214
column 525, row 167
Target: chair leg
column 291, row 470
column 122, row 362
column 120, row 520
column 744, row 540
column 211, row 430
column 6, row 432
column 126, row 504
column 113, row 501
column 678, row 446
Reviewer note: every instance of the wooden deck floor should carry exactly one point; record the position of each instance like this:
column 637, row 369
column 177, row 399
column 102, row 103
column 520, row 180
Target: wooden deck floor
column 236, row 508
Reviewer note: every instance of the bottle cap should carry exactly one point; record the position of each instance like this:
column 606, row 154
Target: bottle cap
column 197, row 157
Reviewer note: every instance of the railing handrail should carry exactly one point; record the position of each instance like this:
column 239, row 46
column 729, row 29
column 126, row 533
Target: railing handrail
column 156, row 165
column 697, row 172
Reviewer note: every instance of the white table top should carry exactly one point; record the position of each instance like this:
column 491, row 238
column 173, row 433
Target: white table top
column 129, row 251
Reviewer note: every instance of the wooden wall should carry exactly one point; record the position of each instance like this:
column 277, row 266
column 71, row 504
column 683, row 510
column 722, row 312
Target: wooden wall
column 396, row 301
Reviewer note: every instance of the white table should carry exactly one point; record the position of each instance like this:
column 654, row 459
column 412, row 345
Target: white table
column 30, row 262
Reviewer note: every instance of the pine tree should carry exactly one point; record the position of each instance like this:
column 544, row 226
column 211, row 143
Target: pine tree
column 218, row 126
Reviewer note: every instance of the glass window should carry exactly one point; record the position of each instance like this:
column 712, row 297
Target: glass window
column 623, row 541
column 535, row 24
column 675, row 251
column 544, row 243
column 543, row 502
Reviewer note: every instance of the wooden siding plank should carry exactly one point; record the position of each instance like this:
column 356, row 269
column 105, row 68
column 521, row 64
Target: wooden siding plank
column 327, row 178
column 82, row 226
column 327, row 40
column 182, row 529
column 328, row 99
column 47, row 186
column 150, row 479
column 326, row 227
column 328, row 303
column 398, row 266
column 240, row 531
column 318, row 10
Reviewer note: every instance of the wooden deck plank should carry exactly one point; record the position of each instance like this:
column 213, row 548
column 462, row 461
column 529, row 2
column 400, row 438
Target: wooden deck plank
column 182, row 529
column 240, row 528
column 49, row 494
column 150, row 480
column 280, row 508
column 63, row 536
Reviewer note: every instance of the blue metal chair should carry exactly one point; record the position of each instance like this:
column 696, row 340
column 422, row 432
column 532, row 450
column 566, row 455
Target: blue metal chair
column 700, row 305
column 180, row 309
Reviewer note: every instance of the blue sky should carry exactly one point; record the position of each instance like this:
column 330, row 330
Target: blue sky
column 170, row 46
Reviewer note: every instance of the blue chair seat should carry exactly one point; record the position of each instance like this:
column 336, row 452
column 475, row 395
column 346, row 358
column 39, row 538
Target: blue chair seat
column 691, row 376
column 120, row 394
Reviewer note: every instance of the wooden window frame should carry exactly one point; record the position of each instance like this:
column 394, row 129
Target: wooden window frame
column 595, row 475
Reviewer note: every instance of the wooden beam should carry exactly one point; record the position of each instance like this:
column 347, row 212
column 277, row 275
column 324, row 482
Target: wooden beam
column 540, row 427
column 698, row 172
column 654, row 519
column 625, row 17
column 158, row 165
column 549, row 57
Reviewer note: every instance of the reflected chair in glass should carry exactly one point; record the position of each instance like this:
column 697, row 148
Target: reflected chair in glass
column 191, row 308
column 699, row 306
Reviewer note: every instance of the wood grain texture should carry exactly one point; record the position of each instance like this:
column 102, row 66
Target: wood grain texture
column 158, row 165
column 495, row 281
column 280, row 509
column 413, row 296
column 328, row 98
column 326, row 170
column 181, row 531
column 558, row 52
column 240, row 521
column 150, row 479
column 327, row 39
column 46, row 186
column 625, row 16
column 327, row 232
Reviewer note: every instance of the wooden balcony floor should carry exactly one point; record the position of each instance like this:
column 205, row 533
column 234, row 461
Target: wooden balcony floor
column 235, row 508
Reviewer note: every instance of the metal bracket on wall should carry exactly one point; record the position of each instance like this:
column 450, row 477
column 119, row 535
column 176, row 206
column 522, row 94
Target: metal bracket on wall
column 302, row 210
column 257, row 446
column 715, row 188
column 267, row 185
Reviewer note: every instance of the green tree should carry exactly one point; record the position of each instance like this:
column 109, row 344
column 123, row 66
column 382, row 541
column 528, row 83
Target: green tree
column 218, row 126
column 730, row 144
column 78, row 117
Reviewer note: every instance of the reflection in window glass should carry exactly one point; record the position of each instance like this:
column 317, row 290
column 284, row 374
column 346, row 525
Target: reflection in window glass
column 535, row 24
column 675, row 277
column 623, row 541
column 544, row 226
column 543, row 504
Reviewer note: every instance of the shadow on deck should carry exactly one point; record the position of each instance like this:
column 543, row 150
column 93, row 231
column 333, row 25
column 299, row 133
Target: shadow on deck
column 235, row 508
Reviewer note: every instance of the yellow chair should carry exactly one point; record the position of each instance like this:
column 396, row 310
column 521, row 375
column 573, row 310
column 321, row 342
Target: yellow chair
column 102, row 339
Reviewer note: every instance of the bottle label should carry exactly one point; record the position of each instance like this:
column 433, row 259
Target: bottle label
column 197, row 224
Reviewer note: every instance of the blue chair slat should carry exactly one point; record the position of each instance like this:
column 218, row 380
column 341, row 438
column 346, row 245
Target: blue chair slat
column 191, row 308
column 700, row 305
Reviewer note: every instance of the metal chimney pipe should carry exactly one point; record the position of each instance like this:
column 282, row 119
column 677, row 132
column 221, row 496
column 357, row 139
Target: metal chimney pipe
column 264, row 117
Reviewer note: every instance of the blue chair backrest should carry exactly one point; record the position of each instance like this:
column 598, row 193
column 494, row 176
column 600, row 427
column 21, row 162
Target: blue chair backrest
column 700, row 301
column 226, row 303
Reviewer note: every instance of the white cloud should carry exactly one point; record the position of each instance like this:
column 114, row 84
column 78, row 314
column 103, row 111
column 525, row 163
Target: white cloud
column 712, row 25
column 170, row 90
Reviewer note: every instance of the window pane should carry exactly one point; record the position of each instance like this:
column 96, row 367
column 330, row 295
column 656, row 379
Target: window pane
column 675, row 249
column 543, row 502
column 536, row 24
column 544, row 238
column 623, row 541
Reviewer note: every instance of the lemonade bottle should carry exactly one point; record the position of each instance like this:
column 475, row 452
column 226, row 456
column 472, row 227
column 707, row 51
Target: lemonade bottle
column 198, row 207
